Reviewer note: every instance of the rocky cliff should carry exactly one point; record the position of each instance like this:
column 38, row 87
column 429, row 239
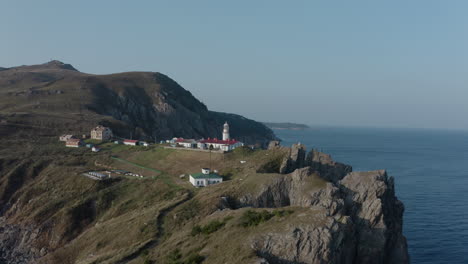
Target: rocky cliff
column 360, row 219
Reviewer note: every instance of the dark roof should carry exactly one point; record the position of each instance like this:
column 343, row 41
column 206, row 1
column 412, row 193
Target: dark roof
column 184, row 140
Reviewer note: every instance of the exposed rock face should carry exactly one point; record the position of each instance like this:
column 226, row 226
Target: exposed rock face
column 326, row 166
column 332, row 243
column 274, row 144
column 297, row 189
column 319, row 162
column 363, row 220
column 295, row 159
column 378, row 214
column 15, row 244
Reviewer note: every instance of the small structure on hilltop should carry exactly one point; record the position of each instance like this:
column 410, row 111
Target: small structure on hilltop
column 101, row 133
column 205, row 178
column 130, row 142
column 65, row 138
column 74, row 143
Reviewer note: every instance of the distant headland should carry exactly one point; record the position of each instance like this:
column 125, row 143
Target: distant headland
column 286, row 125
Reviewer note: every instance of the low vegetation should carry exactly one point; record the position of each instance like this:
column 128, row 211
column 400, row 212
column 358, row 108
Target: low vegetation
column 176, row 257
column 253, row 218
column 211, row 227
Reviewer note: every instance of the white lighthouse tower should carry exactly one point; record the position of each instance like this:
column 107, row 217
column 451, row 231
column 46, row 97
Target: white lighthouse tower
column 226, row 131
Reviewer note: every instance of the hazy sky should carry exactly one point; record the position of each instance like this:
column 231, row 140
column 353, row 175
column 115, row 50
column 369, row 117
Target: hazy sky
column 362, row 63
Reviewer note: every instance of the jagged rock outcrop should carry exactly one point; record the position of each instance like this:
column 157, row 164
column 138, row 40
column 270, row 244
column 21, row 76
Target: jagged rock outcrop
column 326, row 166
column 331, row 243
column 363, row 219
column 294, row 160
column 274, row 144
column 378, row 215
column 301, row 188
column 321, row 163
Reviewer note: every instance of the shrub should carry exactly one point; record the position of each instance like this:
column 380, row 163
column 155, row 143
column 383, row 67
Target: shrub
column 281, row 213
column 188, row 210
column 194, row 258
column 252, row 218
column 271, row 166
column 148, row 261
column 174, row 257
column 211, row 227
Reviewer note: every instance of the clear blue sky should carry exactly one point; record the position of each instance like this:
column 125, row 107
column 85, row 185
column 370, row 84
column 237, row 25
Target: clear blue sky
column 391, row 63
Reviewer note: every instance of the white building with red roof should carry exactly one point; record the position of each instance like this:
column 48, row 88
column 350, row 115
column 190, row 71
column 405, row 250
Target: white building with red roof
column 130, row 142
column 224, row 145
column 186, row 143
column 74, row 143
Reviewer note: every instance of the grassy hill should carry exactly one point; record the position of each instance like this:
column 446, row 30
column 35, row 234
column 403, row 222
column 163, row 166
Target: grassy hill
column 57, row 98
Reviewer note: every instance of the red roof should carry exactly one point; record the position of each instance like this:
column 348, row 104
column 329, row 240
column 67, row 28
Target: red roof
column 218, row 141
column 130, row 141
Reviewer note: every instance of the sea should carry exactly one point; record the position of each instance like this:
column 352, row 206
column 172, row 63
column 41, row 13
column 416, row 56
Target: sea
column 430, row 168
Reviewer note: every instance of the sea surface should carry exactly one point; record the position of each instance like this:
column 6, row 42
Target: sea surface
column 431, row 178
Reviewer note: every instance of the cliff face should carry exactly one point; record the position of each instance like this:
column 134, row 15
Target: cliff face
column 142, row 105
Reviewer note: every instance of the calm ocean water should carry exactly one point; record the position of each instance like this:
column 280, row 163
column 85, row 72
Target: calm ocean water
column 431, row 172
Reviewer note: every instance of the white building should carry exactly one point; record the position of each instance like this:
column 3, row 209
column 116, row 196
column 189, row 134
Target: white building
column 224, row 145
column 130, row 142
column 205, row 178
column 74, row 143
column 186, row 143
column 95, row 149
column 65, row 137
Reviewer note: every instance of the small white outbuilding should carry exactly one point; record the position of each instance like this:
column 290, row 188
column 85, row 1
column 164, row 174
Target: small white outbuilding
column 205, row 178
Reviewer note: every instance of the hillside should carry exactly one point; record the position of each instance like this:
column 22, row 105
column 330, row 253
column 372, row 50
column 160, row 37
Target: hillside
column 277, row 205
column 286, row 125
column 143, row 105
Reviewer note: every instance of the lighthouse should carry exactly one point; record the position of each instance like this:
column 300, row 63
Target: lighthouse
column 226, row 131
